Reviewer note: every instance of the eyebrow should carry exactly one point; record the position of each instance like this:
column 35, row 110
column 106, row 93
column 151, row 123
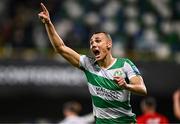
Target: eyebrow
column 96, row 38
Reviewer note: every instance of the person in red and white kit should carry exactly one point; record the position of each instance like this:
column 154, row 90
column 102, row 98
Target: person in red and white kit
column 150, row 116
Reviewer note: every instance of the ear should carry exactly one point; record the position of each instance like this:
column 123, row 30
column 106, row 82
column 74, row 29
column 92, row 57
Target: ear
column 109, row 45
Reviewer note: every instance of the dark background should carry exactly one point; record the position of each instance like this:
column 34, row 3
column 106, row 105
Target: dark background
column 31, row 102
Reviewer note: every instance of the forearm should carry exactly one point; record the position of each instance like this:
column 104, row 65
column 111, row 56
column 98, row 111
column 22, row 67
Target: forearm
column 136, row 84
column 136, row 88
column 55, row 39
column 58, row 44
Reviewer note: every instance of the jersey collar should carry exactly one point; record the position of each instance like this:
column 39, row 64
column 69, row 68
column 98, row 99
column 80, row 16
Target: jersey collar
column 95, row 63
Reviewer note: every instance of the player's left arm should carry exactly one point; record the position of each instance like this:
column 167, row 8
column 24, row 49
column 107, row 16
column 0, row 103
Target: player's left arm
column 136, row 84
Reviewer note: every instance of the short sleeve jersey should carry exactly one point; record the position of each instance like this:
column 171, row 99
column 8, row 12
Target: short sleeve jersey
column 111, row 103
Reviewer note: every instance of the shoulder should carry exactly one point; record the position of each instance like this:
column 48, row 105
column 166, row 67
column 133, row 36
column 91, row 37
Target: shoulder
column 161, row 116
column 124, row 61
column 127, row 60
column 87, row 59
column 141, row 118
column 86, row 62
column 73, row 120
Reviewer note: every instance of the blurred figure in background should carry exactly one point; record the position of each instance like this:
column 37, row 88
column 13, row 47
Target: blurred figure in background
column 176, row 103
column 150, row 116
column 71, row 112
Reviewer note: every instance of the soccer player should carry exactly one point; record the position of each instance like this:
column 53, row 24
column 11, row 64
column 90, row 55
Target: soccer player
column 110, row 80
column 150, row 116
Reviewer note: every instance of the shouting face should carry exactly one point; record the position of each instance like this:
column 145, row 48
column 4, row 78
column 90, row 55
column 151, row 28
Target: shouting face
column 100, row 45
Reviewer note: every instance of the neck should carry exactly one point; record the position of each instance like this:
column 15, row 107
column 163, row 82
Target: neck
column 150, row 111
column 107, row 61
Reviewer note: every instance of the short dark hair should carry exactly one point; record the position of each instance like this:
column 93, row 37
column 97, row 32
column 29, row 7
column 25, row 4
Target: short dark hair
column 105, row 33
column 72, row 106
column 149, row 101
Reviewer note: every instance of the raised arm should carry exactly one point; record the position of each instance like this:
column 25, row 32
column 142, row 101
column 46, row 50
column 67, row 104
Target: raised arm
column 58, row 44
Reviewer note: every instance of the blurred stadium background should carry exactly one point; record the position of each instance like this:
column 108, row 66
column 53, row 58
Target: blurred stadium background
column 35, row 81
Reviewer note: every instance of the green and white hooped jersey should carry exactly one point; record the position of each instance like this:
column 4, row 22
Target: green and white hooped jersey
column 111, row 103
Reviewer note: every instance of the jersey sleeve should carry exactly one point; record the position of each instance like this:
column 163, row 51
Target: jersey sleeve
column 84, row 62
column 130, row 69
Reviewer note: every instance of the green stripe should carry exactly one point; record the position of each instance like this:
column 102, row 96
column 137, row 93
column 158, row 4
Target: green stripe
column 129, row 62
column 120, row 120
column 101, row 81
column 101, row 103
column 119, row 63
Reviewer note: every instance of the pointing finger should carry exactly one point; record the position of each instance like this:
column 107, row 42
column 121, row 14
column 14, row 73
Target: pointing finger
column 43, row 8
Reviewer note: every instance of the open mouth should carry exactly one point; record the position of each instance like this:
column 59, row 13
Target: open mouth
column 96, row 52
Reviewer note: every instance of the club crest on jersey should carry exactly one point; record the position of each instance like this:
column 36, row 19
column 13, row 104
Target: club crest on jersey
column 118, row 73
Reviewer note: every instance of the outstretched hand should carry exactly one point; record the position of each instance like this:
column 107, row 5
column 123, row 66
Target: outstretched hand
column 44, row 14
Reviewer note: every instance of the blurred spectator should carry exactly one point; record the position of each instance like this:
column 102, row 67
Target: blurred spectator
column 150, row 116
column 176, row 103
column 71, row 112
